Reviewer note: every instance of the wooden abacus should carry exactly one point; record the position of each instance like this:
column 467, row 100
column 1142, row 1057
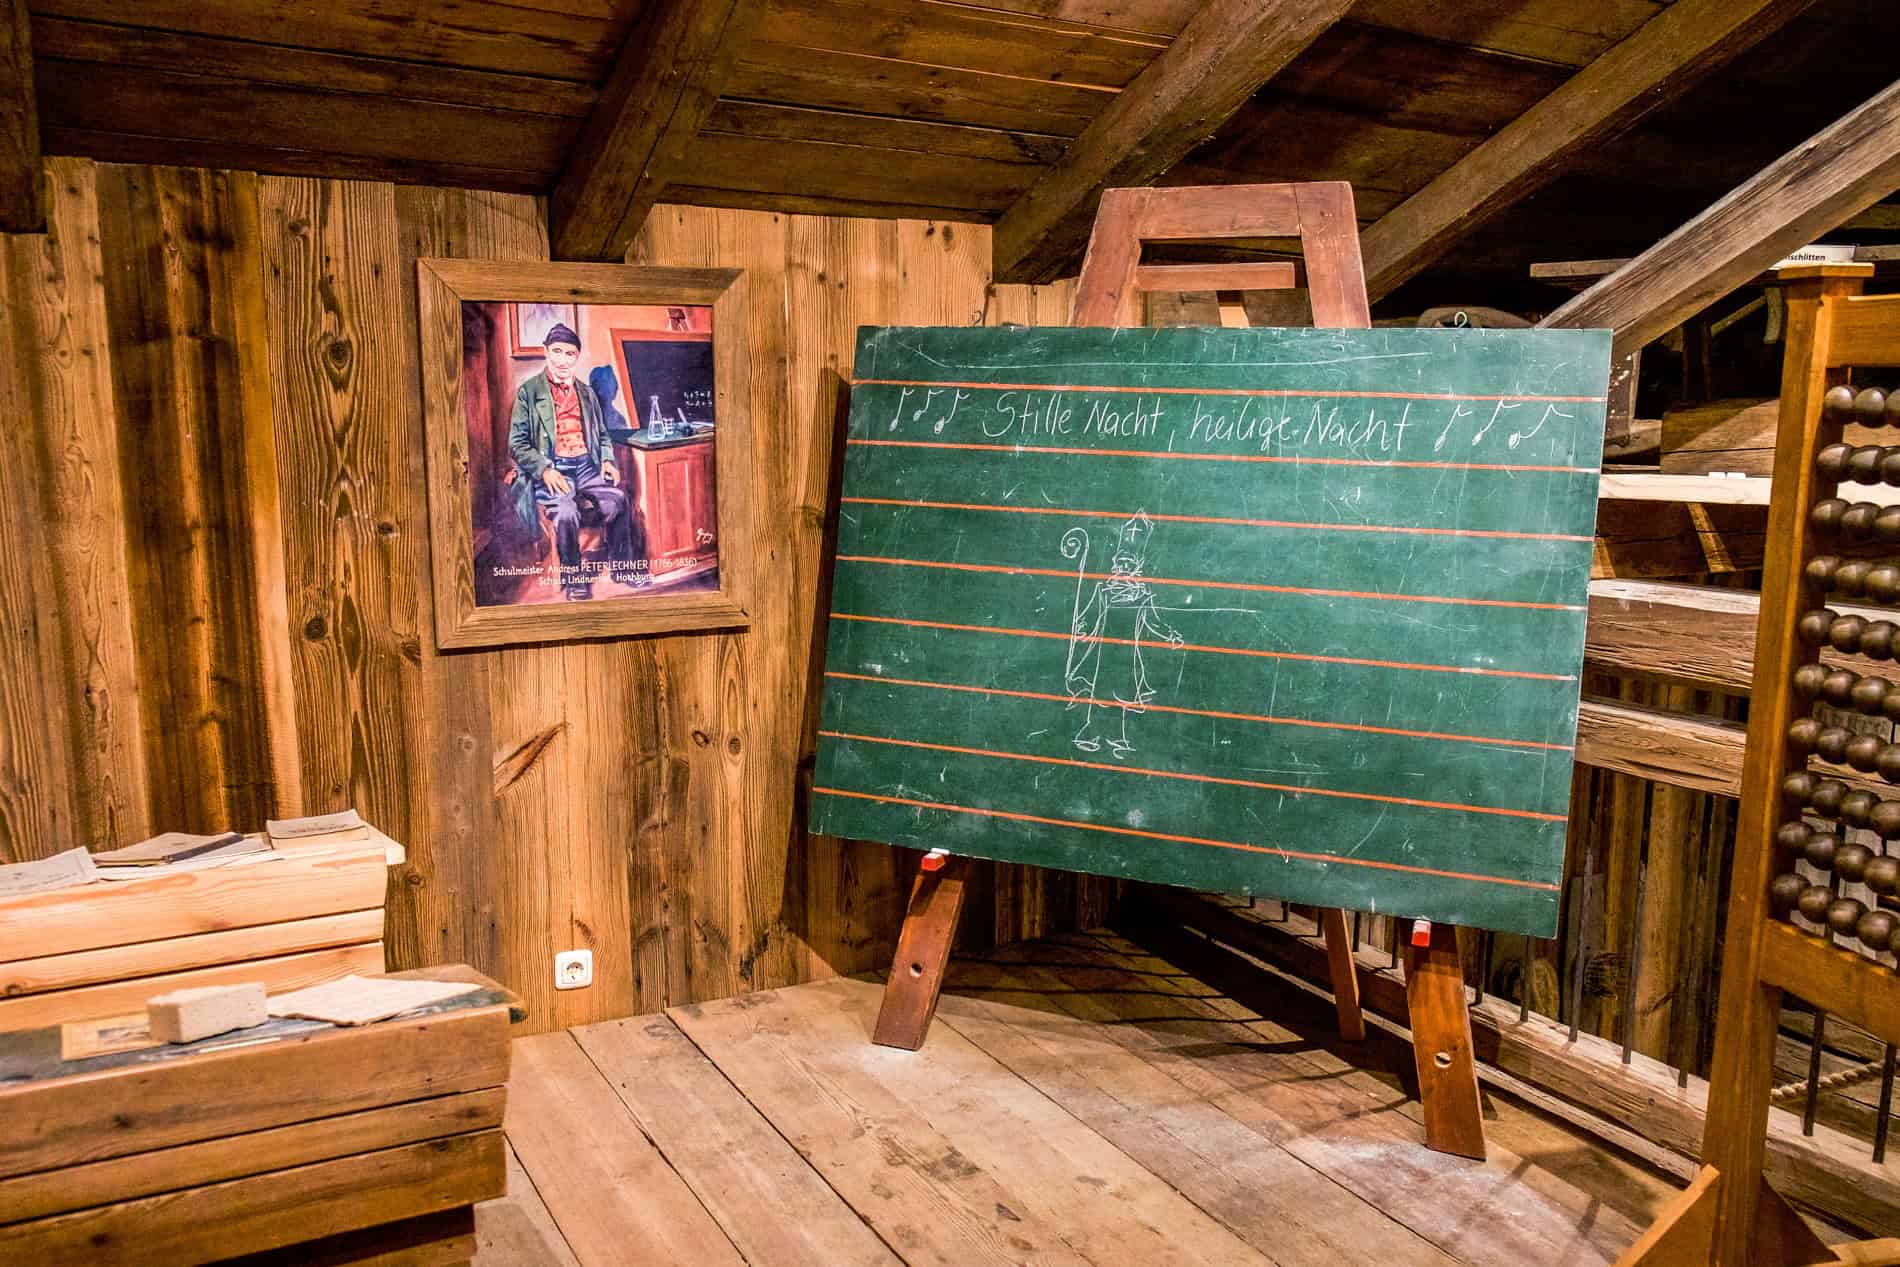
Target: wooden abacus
column 1805, row 779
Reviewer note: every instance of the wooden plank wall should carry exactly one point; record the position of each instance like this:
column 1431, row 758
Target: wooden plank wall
column 213, row 587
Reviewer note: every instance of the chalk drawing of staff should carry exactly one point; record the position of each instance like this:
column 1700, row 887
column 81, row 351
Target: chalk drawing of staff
column 1106, row 633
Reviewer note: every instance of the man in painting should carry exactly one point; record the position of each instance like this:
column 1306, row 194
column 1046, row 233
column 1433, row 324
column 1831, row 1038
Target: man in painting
column 561, row 447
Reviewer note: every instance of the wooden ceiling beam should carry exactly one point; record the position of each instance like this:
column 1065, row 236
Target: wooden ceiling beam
column 22, row 207
column 1663, row 58
column 1834, row 174
column 662, row 88
column 1224, row 54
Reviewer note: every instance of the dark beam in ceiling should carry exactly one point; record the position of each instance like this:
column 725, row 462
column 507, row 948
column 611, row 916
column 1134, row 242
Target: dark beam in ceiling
column 22, row 209
column 1833, row 175
column 662, row 88
column 1659, row 62
column 1222, row 57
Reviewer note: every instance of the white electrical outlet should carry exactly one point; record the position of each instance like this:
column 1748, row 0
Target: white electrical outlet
column 573, row 969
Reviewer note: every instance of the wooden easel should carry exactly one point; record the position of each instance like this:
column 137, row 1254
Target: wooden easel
column 1108, row 294
column 1730, row 1217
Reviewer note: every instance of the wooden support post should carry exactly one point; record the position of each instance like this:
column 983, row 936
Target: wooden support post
column 923, row 953
column 1441, row 1044
column 1352, row 1020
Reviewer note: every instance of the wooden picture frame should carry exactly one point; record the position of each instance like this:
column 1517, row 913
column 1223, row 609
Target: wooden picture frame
column 443, row 286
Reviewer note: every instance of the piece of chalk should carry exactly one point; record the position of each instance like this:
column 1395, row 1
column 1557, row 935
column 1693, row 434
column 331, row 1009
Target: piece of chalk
column 185, row 1016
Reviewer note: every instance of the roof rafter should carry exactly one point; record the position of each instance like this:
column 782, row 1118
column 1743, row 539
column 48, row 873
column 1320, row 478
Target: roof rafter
column 662, row 88
column 1222, row 57
column 1656, row 64
column 1834, row 174
column 22, row 207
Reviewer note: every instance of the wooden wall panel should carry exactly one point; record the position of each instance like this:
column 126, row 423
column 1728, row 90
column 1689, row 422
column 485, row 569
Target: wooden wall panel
column 72, row 762
column 642, row 798
column 198, row 467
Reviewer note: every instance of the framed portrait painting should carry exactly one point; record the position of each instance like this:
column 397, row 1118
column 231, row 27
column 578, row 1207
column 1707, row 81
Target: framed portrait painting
column 588, row 449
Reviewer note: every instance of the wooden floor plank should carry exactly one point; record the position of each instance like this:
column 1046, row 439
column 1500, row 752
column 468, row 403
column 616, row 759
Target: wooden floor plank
column 616, row 1200
column 772, row 1204
column 944, row 1145
column 1271, row 1199
column 517, row 1230
column 1346, row 1122
column 1053, row 1169
column 1570, row 1169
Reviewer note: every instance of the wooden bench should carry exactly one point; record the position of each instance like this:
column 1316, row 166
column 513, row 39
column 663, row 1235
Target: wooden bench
column 307, row 915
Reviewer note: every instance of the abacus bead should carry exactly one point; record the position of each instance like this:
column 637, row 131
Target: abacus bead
column 1883, row 582
column 1844, row 634
column 1832, row 743
column 1831, row 462
column 1851, row 577
column 1814, row 625
column 1892, row 418
column 1857, row 806
column 1803, row 734
column 1837, row 688
column 1876, row 928
column 1888, row 762
column 1799, row 786
column 1863, row 464
column 1814, row 901
column 1870, row 407
column 1808, row 679
column 1868, row 694
column 1857, row 521
column 1882, row 874
column 1890, row 464
column 1876, row 640
column 1851, row 860
column 1886, row 819
column 1827, row 513
column 1838, row 403
column 1791, row 836
column 1784, row 891
column 1887, row 525
column 1820, row 849
column 1843, row 913
column 1863, row 752
column 1827, row 800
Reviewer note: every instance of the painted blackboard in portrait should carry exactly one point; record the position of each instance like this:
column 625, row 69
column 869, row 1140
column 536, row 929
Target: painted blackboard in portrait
column 1287, row 612
column 669, row 381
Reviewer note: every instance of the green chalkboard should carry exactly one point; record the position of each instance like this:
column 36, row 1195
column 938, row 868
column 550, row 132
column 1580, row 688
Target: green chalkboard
column 1287, row 612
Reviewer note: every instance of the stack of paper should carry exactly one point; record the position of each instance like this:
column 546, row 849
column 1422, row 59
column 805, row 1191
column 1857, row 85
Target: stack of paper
column 355, row 1000
column 326, row 831
column 60, row 871
column 179, row 851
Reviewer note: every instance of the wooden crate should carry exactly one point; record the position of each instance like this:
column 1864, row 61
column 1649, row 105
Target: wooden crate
column 302, row 1134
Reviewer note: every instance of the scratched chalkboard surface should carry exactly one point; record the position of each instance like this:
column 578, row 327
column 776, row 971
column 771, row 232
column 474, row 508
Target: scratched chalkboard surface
column 1288, row 612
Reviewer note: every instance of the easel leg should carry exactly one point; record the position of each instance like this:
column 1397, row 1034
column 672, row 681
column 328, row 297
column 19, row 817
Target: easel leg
column 1352, row 1021
column 923, row 953
column 1441, row 1044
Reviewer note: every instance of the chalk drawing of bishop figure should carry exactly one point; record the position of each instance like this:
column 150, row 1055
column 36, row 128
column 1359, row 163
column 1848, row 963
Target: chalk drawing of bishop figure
column 1106, row 670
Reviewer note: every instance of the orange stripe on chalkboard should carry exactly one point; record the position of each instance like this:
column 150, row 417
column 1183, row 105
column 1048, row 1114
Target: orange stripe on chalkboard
column 1219, row 457
column 1327, row 393
column 1292, row 788
column 1204, row 712
column 1216, row 519
column 1212, row 650
column 1250, row 586
column 1340, row 859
